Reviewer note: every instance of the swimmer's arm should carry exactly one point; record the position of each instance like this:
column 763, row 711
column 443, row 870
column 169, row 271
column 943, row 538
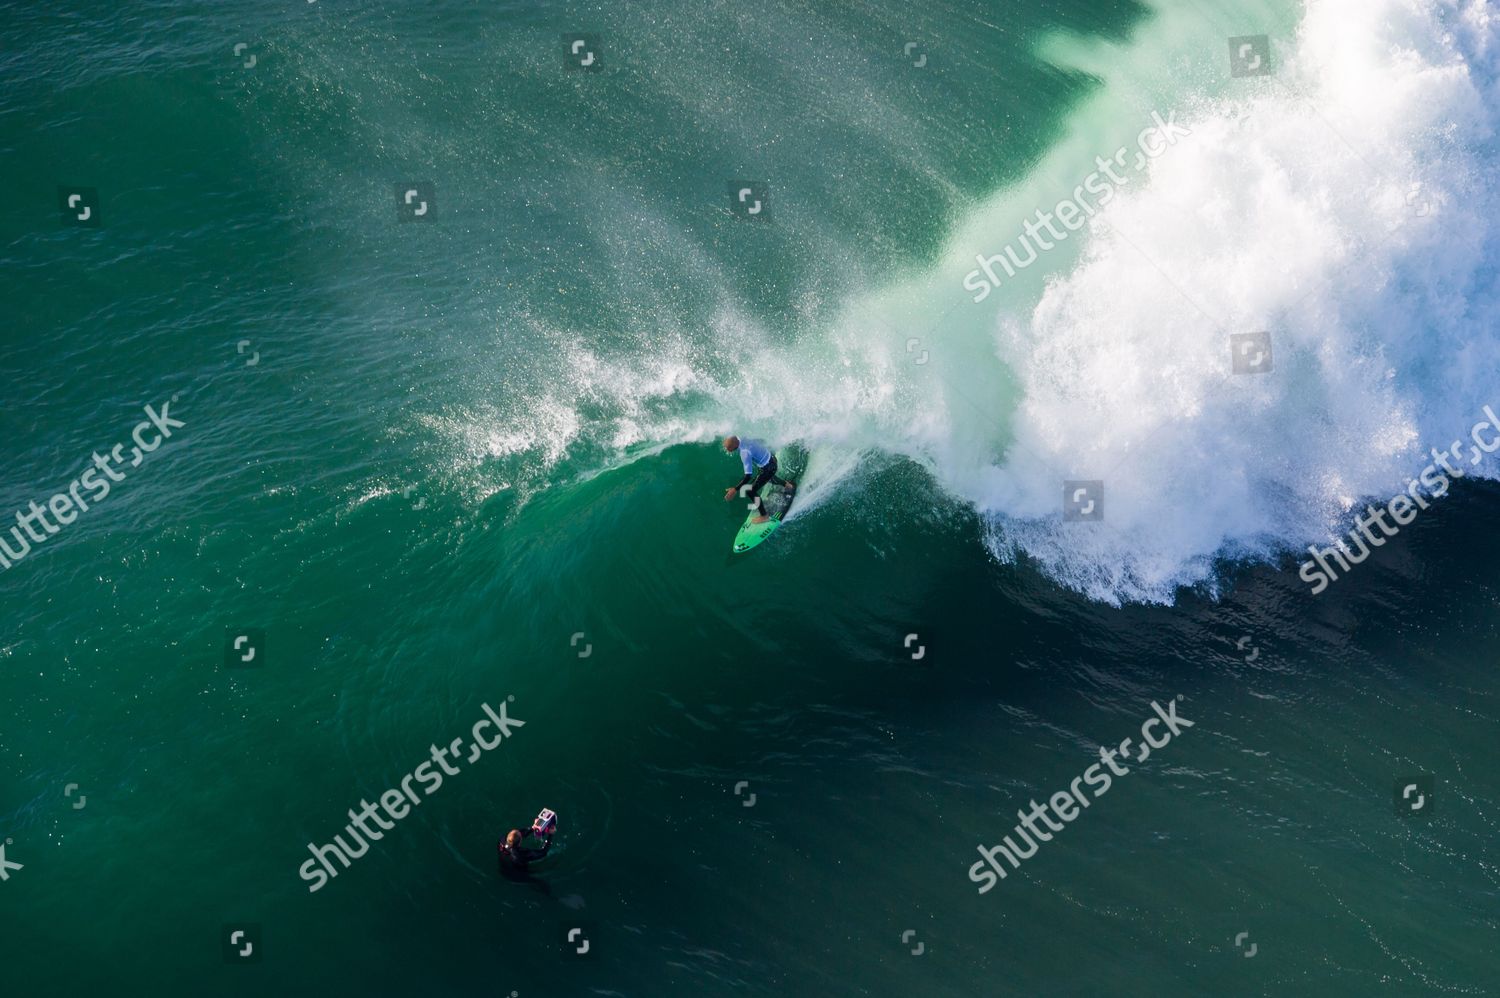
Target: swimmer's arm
column 532, row 855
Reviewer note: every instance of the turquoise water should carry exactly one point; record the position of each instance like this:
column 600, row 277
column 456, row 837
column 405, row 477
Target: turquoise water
column 430, row 466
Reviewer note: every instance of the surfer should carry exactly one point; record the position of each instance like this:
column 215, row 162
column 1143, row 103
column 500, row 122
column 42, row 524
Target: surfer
column 514, row 853
column 754, row 454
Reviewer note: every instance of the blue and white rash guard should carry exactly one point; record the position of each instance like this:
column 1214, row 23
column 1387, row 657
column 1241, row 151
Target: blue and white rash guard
column 754, row 454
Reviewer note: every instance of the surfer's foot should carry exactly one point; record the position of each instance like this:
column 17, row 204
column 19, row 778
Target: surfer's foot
column 759, row 519
column 790, row 485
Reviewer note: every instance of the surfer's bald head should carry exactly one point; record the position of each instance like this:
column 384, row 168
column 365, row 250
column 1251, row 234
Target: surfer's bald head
column 731, row 443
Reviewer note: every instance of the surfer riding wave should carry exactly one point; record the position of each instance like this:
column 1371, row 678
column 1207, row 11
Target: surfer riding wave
column 760, row 469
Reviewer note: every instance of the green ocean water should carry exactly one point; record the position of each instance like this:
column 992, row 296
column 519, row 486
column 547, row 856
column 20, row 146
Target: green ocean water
column 438, row 465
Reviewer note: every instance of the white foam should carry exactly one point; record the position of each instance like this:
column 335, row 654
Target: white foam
column 1282, row 212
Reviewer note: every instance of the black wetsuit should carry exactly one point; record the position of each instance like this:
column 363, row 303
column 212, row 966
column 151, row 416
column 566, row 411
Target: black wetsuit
column 766, row 474
column 521, row 856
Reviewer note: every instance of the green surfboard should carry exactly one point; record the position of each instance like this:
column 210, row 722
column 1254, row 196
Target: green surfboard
column 752, row 534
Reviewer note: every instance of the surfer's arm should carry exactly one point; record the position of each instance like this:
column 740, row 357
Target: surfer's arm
column 531, row 855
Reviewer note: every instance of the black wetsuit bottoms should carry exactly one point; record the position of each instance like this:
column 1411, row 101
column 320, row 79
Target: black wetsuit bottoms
column 767, row 474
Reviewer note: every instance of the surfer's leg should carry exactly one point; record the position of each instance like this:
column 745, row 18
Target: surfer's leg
column 760, row 483
column 770, row 472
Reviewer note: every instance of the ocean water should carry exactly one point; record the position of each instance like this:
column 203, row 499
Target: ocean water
column 430, row 464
